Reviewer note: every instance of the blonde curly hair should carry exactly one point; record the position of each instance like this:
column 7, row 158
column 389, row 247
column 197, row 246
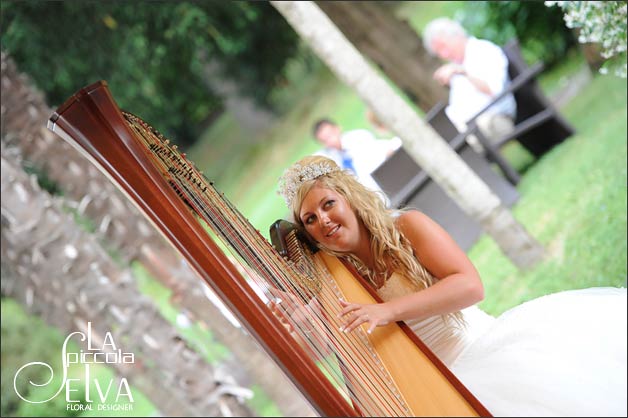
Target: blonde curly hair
column 389, row 246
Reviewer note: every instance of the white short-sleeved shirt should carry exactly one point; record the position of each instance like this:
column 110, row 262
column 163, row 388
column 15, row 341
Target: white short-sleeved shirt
column 366, row 153
column 486, row 61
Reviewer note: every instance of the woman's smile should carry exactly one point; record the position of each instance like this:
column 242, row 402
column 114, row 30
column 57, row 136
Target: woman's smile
column 333, row 230
column 330, row 220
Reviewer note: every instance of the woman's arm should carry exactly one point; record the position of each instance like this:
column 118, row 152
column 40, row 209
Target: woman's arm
column 458, row 286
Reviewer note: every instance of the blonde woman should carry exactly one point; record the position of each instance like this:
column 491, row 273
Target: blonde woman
column 559, row 355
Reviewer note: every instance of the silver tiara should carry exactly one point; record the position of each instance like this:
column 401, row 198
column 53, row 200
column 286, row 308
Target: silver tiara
column 298, row 174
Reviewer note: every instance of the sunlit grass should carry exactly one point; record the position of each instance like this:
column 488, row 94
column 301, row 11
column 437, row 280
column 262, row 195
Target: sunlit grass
column 562, row 193
column 574, row 202
column 250, row 182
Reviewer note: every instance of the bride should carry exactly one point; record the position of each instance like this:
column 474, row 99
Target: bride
column 562, row 354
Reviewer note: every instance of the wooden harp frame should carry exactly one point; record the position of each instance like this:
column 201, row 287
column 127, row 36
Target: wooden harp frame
column 92, row 122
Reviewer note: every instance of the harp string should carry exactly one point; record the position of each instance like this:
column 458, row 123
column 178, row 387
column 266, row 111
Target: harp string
column 366, row 366
column 359, row 369
column 231, row 237
column 357, row 372
column 234, row 239
column 194, row 197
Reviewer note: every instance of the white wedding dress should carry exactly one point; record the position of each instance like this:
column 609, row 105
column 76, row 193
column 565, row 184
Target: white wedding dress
column 562, row 354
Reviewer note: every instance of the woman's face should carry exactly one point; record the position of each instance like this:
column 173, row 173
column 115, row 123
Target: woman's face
column 330, row 220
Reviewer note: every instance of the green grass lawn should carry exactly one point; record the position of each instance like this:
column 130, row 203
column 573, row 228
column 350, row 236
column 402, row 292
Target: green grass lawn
column 574, row 202
column 249, row 176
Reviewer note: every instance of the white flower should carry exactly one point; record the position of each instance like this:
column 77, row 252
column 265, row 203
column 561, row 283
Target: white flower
column 601, row 22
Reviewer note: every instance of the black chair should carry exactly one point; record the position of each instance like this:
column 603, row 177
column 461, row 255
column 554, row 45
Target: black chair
column 538, row 124
column 407, row 185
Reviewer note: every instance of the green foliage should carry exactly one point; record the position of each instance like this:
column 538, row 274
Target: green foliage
column 299, row 78
column 151, row 53
column 540, row 30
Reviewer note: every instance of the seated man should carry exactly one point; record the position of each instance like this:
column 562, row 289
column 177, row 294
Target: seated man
column 357, row 150
column 476, row 71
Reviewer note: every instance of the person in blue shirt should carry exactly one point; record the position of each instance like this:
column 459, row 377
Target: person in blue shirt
column 357, row 150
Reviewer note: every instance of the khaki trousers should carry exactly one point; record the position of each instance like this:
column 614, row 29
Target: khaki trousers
column 493, row 127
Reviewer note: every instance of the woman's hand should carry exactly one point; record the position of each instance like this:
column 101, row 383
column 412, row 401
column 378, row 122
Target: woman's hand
column 290, row 311
column 356, row 314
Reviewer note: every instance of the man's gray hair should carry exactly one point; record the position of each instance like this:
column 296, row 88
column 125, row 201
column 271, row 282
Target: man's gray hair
column 441, row 27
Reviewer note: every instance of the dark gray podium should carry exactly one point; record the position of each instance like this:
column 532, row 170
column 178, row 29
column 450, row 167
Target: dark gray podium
column 407, row 185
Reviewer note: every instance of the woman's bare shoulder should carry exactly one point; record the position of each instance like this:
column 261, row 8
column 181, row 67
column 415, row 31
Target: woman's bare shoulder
column 413, row 221
column 436, row 249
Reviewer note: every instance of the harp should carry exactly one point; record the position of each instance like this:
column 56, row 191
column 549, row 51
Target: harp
column 387, row 373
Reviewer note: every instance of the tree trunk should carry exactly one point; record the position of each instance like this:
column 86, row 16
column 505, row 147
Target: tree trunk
column 592, row 53
column 392, row 44
column 421, row 142
column 118, row 223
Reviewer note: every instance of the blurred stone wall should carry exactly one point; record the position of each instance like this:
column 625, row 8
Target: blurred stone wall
column 60, row 272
